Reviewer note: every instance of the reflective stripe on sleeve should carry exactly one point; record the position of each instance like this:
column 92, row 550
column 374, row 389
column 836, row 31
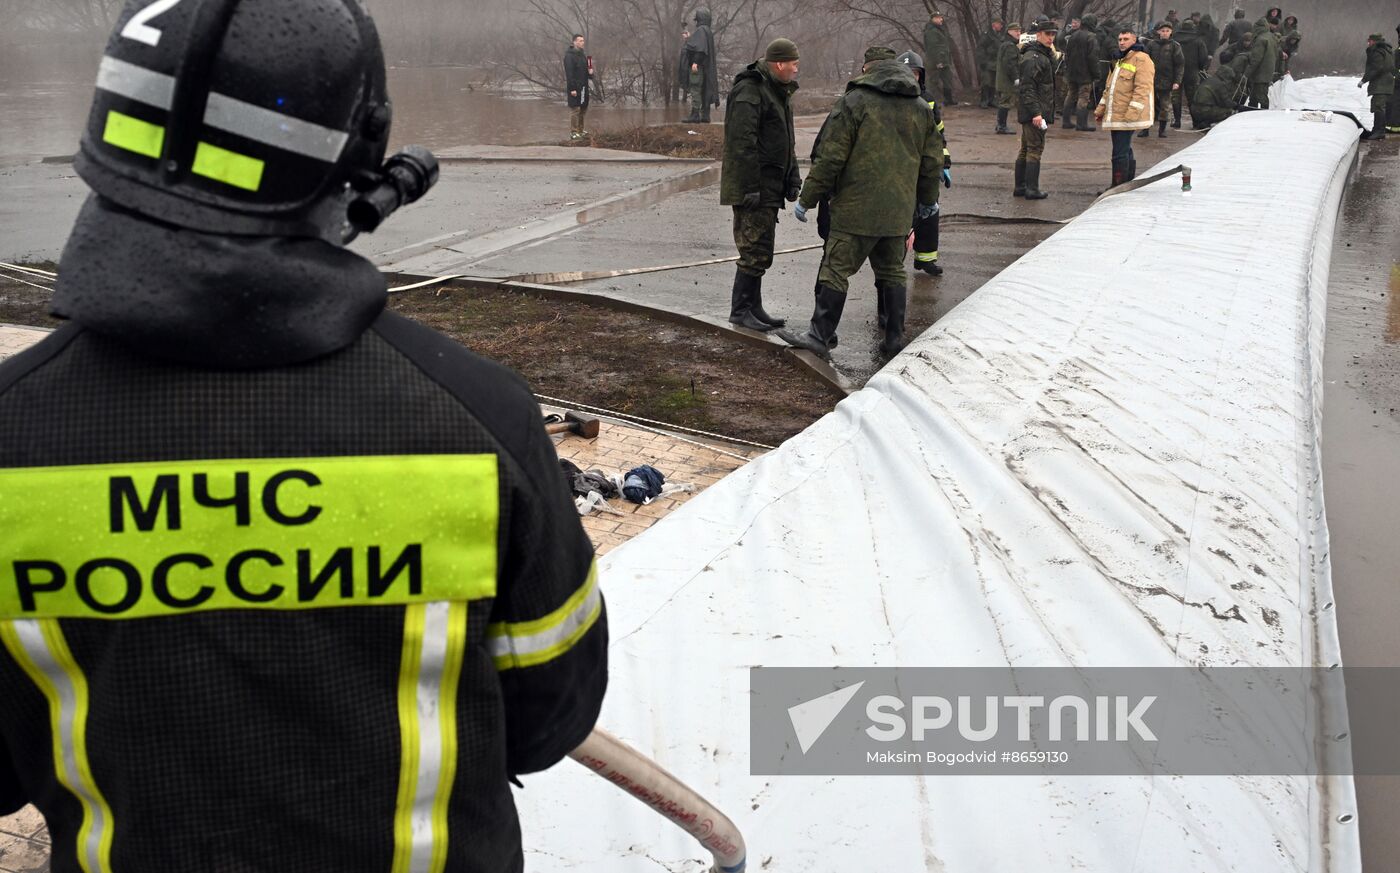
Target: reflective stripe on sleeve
column 38, row 646
column 1127, row 66
column 434, row 641
column 528, row 643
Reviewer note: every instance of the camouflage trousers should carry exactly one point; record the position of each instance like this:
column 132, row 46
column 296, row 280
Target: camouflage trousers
column 1083, row 96
column 698, row 106
column 1259, row 94
column 845, row 253
column 754, row 233
column 1032, row 143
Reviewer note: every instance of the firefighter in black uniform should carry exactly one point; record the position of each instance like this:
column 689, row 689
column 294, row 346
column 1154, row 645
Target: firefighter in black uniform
column 926, row 222
column 288, row 582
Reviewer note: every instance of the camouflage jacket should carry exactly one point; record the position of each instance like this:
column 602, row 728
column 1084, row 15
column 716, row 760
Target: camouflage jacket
column 880, row 155
column 759, row 146
column 938, row 47
column 1008, row 63
column 1169, row 60
column 1036, row 92
column 987, row 49
column 1082, row 51
column 1263, row 55
column 1380, row 69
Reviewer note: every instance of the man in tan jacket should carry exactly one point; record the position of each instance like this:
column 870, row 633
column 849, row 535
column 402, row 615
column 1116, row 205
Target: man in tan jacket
column 1127, row 102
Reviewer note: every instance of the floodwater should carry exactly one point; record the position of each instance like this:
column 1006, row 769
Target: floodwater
column 1361, row 455
column 45, row 93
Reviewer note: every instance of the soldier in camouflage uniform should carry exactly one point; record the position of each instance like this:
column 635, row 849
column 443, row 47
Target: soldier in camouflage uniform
column 1263, row 60
column 1170, row 62
column 1380, row 81
column 987, row 48
column 1035, row 99
column 1082, row 65
column 759, row 171
column 1214, row 99
column 1290, row 39
column 1008, row 56
column 938, row 53
column 880, row 158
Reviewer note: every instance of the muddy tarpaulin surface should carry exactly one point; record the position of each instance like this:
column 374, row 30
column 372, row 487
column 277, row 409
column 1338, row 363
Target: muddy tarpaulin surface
column 1092, row 467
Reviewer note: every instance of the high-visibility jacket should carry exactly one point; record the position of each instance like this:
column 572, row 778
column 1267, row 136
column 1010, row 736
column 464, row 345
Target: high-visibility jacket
column 306, row 616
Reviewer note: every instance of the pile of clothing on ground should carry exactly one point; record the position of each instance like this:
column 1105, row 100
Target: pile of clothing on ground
column 593, row 488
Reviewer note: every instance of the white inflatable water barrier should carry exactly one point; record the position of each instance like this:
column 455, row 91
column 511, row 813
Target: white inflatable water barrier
column 1108, row 456
column 1323, row 92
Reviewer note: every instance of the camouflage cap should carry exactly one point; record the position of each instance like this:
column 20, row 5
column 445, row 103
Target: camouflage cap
column 879, row 53
column 780, row 50
column 1015, row 25
column 1380, row 37
column 937, row 13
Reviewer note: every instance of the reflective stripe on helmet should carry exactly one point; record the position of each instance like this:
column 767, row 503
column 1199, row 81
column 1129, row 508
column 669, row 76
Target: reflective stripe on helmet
column 133, row 134
column 274, row 128
column 228, row 167
column 137, row 83
column 226, row 113
column 210, row 161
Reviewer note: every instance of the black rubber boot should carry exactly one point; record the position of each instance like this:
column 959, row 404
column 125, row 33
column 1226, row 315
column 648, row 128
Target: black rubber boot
column 880, row 305
column 741, row 301
column 1144, row 133
column 1176, row 117
column 1001, row 121
column 825, row 317
column 1033, row 191
column 1067, row 111
column 895, row 300
column 1377, row 130
column 1120, row 173
column 1020, row 178
column 756, row 306
column 930, row 267
column 1084, row 121
column 1132, row 170
column 1162, row 128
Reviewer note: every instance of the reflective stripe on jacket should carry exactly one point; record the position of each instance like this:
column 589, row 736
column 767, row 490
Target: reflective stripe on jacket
column 1127, row 100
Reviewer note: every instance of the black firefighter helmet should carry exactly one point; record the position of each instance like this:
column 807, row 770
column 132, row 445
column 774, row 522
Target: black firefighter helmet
column 250, row 117
column 912, row 59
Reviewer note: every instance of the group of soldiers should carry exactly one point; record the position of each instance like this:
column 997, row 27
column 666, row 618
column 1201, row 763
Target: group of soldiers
column 1083, row 55
column 881, row 152
column 876, row 168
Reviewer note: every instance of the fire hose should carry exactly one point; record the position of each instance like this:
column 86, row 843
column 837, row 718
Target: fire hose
column 647, row 781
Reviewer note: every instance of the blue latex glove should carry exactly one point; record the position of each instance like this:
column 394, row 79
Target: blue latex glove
column 800, row 212
column 947, row 178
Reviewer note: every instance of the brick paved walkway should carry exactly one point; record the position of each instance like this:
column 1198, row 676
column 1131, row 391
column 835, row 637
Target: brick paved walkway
column 24, row 840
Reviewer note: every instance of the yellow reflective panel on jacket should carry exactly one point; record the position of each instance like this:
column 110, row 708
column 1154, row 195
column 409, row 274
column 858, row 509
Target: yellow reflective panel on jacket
column 123, row 541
